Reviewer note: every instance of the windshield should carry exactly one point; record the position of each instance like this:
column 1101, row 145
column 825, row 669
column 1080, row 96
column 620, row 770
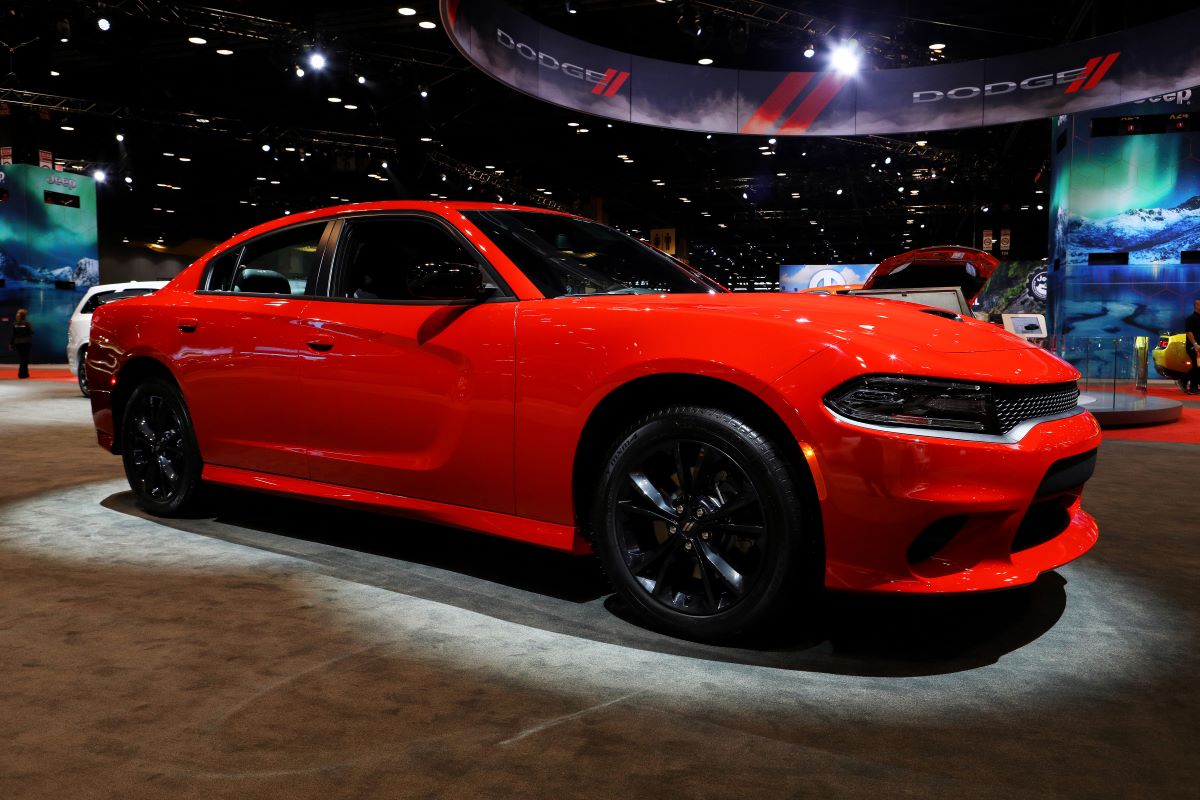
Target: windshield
column 568, row 256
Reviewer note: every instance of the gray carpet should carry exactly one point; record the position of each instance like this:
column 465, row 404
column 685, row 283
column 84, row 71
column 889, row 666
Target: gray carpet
column 281, row 649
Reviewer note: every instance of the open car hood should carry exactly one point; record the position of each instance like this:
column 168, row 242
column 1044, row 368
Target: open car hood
column 929, row 267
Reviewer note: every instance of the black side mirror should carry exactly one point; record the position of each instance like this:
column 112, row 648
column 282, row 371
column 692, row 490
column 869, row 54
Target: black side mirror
column 445, row 281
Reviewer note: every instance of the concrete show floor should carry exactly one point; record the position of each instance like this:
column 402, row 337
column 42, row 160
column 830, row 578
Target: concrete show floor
column 283, row 649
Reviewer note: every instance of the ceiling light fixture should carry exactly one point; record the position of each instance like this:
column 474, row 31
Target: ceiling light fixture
column 845, row 58
column 317, row 61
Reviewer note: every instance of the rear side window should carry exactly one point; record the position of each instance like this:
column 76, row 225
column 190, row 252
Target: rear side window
column 95, row 301
column 382, row 258
column 283, row 263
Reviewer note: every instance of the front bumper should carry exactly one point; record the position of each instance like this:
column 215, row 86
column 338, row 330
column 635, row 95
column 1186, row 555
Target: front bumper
column 923, row 514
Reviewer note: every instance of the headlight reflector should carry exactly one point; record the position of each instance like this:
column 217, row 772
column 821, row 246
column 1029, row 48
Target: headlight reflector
column 903, row 402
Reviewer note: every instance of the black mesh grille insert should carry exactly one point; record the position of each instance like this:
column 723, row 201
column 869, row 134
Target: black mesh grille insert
column 1015, row 404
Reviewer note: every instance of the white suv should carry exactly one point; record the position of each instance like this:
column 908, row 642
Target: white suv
column 80, row 326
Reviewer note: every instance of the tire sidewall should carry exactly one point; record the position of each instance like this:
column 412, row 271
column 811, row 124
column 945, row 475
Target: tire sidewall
column 192, row 466
column 81, row 372
column 767, row 470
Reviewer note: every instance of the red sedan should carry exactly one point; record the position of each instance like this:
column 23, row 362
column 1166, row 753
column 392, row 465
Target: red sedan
column 543, row 377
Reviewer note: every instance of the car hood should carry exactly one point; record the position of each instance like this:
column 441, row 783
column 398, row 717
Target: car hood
column 929, row 267
column 842, row 319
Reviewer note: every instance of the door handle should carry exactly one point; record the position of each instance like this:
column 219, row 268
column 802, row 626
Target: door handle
column 322, row 345
column 188, row 325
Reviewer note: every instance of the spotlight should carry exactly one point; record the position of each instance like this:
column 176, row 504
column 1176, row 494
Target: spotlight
column 334, row 99
column 317, row 61
column 128, row 179
column 838, row 192
column 426, row 24
column 362, row 79
column 690, row 21
column 63, row 26
column 739, row 37
column 54, row 73
column 571, row 9
column 103, row 24
column 405, row 11
column 810, row 51
column 887, row 160
column 845, row 58
column 99, row 176
column 224, row 51
column 937, row 47
column 424, row 93
column 704, row 62
column 299, row 71
column 383, row 164
column 197, row 40
column 120, row 137
column 922, row 142
column 266, row 148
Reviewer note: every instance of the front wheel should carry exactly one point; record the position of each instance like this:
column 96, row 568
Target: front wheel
column 699, row 523
column 158, row 448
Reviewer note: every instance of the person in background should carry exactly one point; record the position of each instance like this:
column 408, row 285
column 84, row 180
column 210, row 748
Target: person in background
column 1192, row 326
column 22, row 340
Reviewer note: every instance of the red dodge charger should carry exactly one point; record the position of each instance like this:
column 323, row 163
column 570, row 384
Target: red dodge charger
column 543, row 377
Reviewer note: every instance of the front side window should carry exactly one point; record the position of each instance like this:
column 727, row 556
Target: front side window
column 405, row 259
column 283, row 263
column 564, row 255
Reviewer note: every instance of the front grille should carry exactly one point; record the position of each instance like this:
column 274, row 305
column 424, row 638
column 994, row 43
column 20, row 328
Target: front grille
column 1016, row 404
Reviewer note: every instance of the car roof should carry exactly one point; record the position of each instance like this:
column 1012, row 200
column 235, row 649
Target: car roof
column 434, row 206
column 116, row 287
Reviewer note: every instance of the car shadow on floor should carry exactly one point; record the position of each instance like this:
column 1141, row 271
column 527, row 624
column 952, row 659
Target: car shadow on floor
column 868, row 635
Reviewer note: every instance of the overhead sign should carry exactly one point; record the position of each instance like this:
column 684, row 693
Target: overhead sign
column 1151, row 60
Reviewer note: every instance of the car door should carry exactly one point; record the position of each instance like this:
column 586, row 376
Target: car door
column 407, row 375
column 239, row 340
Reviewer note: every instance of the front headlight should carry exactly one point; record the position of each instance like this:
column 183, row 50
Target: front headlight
column 900, row 402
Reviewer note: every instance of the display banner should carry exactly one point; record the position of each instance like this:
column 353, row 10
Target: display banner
column 1095, row 73
column 48, row 253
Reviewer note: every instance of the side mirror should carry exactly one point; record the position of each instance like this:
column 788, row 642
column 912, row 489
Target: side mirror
column 446, row 280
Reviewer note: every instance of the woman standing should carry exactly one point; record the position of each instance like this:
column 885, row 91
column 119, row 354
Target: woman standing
column 22, row 340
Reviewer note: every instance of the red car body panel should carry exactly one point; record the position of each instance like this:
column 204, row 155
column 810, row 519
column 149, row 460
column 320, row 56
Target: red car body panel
column 472, row 415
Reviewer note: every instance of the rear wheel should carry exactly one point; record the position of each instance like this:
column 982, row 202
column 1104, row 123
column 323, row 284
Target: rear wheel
column 81, row 372
column 158, row 448
column 699, row 523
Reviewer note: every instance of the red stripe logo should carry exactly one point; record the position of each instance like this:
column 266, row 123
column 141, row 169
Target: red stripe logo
column 1093, row 72
column 766, row 118
column 611, row 83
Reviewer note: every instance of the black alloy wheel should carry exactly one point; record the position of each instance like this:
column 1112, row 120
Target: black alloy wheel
column 81, row 372
column 700, row 523
column 158, row 448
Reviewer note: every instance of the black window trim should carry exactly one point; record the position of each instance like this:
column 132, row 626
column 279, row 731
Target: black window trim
column 332, row 265
column 322, row 248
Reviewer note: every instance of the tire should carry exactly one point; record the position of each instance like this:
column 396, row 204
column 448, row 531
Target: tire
column 81, row 372
column 158, row 448
column 712, row 555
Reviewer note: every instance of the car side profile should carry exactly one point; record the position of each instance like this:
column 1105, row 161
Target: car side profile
column 1171, row 359
column 80, row 325
column 543, row 377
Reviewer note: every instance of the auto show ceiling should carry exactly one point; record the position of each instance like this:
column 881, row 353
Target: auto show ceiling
column 226, row 119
